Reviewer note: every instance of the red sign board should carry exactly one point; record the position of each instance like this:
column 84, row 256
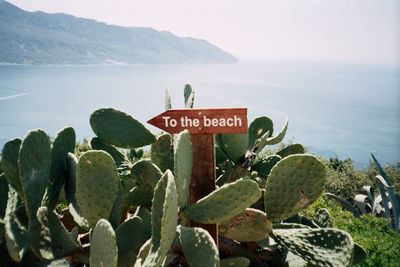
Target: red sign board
column 202, row 121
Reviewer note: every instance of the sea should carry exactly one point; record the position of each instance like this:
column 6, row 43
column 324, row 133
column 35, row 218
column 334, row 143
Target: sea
column 335, row 110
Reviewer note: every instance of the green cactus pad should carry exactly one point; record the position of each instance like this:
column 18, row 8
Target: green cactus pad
column 291, row 150
column 97, row 185
column 232, row 173
column 143, row 254
column 294, row 183
column 258, row 127
column 116, row 210
column 129, row 240
column 63, row 144
column 198, row 247
column 227, row 201
column 9, row 164
column 264, row 166
column 70, row 181
column 103, row 245
column 318, row 247
column 168, row 104
column 34, row 167
column 235, row 145
column 139, row 196
column 323, row 218
column 183, row 160
column 235, row 262
column 250, row 225
column 279, row 137
column 162, row 153
column 164, row 219
column 16, row 234
column 3, row 197
column 145, row 215
column 99, row 144
column 50, row 239
column 120, row 129
column 188, row 94
column 145, row 173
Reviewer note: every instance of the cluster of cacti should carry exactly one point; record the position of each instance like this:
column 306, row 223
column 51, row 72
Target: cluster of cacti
column 384, row 204
column 123, row 210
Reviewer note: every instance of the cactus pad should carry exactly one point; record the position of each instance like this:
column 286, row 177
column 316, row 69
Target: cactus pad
column 235, row 262
column 294, row 183
column 168, row 104
column 291, row 150
column 225, row 202
column 99, row 144
column 250, row 225
column 50, row 239
column 103, row 245
column 34, row 167
column 258, row 127
column 120, row 129
column 198, row 247
column 129, row 240
column 318, row 247
column 16, row 234
column 164, row 219
column 279, row 137
column 97, row 184
column 264, row 167
column 145, row 173
column 9, row 164
column 323, row 218
column 188, row 94
column 235, row 145
column 183, row 160
column 63, row 144
column 162, row 153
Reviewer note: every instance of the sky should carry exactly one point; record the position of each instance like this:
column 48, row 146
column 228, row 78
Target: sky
column 351, row 31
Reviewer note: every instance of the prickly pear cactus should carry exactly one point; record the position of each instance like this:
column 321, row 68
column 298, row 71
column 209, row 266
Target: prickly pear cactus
column 258, row 127
column 163, row 220
column 34, row 168
column 103, row 245
column 16, row 233
column 318, row 247
column 264, row 166
column 99, row 144
column 50, row 240
column 291, row 150
column 189, row 96
column 63, row 144
column 294, row 183
column 9, row 163
column 97, row 184
column 225, row 202
column 235, row 145
column 183, row 161
column 120, row 129
column 168, row 104
column 323, row 218
column 235, row 262
column 145, row 173
column 129, row 240
column 198, row 247
column 162, row 152
column 279, row 137
column 250, row 225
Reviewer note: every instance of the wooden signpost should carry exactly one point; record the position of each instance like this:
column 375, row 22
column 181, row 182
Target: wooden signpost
column 202, row 125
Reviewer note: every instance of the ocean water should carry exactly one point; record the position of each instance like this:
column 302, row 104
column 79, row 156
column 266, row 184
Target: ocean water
column 333, row 109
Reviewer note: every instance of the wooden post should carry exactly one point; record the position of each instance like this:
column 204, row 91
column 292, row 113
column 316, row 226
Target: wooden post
column 203, row 175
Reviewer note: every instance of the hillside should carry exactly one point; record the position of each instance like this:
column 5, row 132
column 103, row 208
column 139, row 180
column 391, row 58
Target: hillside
column 42, row 38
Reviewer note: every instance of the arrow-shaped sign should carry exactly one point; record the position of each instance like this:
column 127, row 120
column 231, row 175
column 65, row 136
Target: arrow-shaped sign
column 202, row 121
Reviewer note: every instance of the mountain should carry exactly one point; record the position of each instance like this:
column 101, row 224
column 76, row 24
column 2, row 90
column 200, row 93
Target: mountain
column 42, row 38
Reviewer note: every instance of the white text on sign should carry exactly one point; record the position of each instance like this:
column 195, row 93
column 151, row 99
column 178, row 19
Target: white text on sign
column 186, row 121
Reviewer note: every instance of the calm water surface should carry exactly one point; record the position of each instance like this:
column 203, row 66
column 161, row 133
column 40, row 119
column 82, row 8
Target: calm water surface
column 343, row 110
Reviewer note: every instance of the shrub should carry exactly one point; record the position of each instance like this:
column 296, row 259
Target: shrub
column 374, row 234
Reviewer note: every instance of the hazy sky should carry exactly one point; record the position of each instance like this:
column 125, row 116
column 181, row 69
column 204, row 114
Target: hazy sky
column 354, row 31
